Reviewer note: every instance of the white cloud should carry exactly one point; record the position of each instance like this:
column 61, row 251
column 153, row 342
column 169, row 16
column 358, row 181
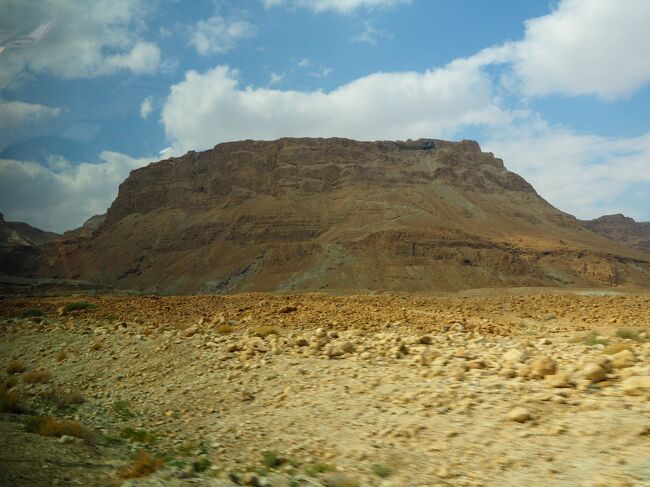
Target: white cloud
column 73, row 39
column 146, row 107
column 321, row 72
column 16, row 113
column 276, row 78
column 61, row 196
column 217, row 35
column 370, row 34
column 212, row 107
column 586, row 47
column 583, row 174
column 341, row 6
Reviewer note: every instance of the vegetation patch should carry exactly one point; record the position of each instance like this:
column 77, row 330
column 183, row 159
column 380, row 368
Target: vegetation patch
column 591, row 339
column 49, row 426
column 139, row 436
column 225, row 329
column 144, row 465
column 201, row 466
column 381, row 471
column 9, row 402
column 317, row 468
column 122, row 410
column 271, row 460
column 15, row 367
column 629, row 334
column 40, row 376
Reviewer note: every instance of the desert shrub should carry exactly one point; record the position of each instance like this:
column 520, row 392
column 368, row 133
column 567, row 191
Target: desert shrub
column 591, row 339
column 339, row 479
column 31, row 312
column 144, row 465
column 201, row 465
column 319, row 467
column 9, row 403
column 78, row 306
column 8, row 383
column 62, row 356
column 15, row 367
column 49, row 426
column 225, row 329
column 73, row 398
column 381, row 471
column 97, row 345
column 271, row 460
column 617, row 347
column 264, row 331
column 628, row 334
column 140, row 436
column 39, row 376
column 122, row 409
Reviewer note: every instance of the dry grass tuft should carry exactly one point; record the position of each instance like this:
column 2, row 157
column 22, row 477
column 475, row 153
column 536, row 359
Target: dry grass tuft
column 8, row 383
column 62, row 356
column 144, row 465
column 629, row 334
column 49, row 426
column 97, row 345
column 225, row 329
column 39, row 376
column 264, row 331
column 15, row 367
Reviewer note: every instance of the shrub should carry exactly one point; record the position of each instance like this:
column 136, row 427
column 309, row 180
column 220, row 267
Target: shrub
column 271, row 460
column 317, row 468
column 122, row 409
column 264, row 331
column 201, row 465
column 49, row 426
column 9, row 403
column 381, row 471
column 628, row 334
column 140, row 436
column 15, row 367
column 70, row 399
column 617, row 347
column 144, row 465
column 8, row 383
column 97, row 345
column 39, row 376
column 78, row 306
column 339, row 479
column 31, row 312
column 591, row 339
column 62, row 356
column 225, row 329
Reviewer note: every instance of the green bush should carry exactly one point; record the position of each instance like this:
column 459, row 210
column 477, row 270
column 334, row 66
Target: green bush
column 31, row 312
column 78, row 306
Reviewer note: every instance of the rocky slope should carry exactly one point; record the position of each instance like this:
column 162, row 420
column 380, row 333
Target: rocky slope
column 337, row 214
column 622, row 229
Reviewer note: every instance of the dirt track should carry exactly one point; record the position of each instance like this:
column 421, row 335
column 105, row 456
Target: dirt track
column 388, row 390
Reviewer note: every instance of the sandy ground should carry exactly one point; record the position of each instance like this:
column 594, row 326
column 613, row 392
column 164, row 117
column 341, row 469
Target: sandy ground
column 498, row 388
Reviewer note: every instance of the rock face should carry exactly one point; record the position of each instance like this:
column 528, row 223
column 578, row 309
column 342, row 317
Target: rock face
column 19, row 253
column 337, row 214
column 622, row 229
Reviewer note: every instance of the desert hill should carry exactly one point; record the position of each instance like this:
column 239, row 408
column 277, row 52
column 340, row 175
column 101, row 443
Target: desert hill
column 338, row 214
column 19, row 247
column 622, row 229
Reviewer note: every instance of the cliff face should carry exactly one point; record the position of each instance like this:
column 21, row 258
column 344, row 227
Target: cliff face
column 309, row 214
column 622, row 229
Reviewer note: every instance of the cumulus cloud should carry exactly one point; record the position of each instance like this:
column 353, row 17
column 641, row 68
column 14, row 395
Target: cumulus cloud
column 341, row 6
column 146, row 107
column 61, row 196
column 217, row 35
column 586, row 47
column 207, row 108
column 73, row 39
column 15, row 113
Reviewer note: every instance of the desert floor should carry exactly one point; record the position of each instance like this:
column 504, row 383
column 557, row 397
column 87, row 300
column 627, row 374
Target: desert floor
column 490, row 388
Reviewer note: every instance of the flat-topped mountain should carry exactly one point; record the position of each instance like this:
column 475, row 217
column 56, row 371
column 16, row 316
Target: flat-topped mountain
column 338, row 214
column 622, row 229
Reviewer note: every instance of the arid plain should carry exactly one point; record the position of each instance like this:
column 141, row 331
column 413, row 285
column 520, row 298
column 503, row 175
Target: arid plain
column 491, row 387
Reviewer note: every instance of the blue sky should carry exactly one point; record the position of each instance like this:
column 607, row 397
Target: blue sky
column 92, row 90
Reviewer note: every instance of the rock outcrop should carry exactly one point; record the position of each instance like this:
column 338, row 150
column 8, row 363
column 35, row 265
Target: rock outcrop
column 622, row 229
column 337, row 214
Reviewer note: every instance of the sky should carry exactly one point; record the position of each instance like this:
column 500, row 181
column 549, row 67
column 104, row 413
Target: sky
column 92, row 90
